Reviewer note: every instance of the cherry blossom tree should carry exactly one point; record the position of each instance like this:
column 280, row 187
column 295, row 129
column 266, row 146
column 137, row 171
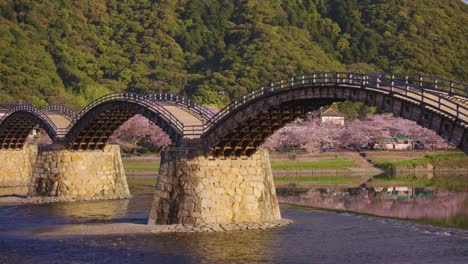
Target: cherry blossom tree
column 139, row 132
column 310, row 135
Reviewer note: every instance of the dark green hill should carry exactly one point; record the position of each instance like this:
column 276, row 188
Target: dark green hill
column 75, row 51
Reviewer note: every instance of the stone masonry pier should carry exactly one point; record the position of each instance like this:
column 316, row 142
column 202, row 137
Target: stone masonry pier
column 79, row 174
column 194, row 189
column 53, row 171
column 17, row 166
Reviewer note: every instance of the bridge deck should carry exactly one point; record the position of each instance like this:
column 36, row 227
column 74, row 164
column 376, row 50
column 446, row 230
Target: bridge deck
column 60, row 121
column 184, row 116
column 193, row 125
column 441, row 105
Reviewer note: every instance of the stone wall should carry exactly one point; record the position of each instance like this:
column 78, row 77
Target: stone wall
column 17, row 165
column 194, row 189
column 79, row 174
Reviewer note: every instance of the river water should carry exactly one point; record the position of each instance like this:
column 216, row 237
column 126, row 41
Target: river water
column 314, row 237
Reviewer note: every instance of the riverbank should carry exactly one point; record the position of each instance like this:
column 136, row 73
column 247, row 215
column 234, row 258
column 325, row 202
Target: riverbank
column 285, row 166
column 419, row 161
column 338, row 169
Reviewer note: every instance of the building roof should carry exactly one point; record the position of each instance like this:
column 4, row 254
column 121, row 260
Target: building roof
column 332, row 112
column 393, row 139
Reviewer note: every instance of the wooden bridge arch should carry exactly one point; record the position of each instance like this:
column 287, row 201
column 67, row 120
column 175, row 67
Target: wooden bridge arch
column 16, row 125
column 92, row 127
column 241, row 127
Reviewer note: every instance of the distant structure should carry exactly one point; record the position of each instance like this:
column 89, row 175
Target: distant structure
column 397, row 143
column 332, row 116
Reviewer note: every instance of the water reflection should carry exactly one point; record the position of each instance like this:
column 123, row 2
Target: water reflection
column 135, row 210
column 438, row 205
column 89, row 211
column 238, row 247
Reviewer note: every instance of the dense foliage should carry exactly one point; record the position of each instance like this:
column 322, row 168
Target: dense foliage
column 54, row 52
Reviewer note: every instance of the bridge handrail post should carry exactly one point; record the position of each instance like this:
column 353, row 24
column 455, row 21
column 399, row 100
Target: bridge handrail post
column 292, row 81
column 420, row 81
column 451, row 88
column 314, row 76
column 262, row 90
column 436, row 83
column 392, row 83
column 281, row 84
column 326, row 77
column 302, row 79
column 406, row 85
column 378, row 81
column 337, row 78
column 271, row 86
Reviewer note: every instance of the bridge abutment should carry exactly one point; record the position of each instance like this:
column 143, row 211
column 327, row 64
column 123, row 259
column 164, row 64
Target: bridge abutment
column 17, row 166
column 194, row 189
column 79, row 174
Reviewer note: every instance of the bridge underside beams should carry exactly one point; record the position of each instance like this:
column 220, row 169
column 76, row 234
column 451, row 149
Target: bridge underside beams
column 94, row 129
column 244, row 130
column 95, row 135
column 249, row 134
column 15, row 130
column 434, row 119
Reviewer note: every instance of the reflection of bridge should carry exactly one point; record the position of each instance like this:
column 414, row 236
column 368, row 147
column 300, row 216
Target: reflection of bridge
column 197, row 184
column 241, row 127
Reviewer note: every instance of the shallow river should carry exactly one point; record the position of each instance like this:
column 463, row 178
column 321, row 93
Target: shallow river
column 315, row 237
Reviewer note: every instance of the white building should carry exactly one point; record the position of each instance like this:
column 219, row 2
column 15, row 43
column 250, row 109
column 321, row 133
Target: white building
column 332, row 116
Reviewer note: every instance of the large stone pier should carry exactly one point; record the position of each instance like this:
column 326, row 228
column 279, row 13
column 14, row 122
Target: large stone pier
column 194, row 189
column 79, row 174
column 17, row 166
column 53, row 171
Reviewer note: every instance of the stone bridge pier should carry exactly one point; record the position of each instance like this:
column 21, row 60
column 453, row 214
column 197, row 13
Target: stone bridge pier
column 195, row 189
column 97, row 174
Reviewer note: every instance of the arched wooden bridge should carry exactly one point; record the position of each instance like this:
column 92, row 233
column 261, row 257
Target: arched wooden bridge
column 241, row 127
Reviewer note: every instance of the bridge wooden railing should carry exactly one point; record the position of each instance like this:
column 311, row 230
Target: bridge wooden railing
column 424, row 90
column 135, row 98
column 194, row 130
column 30, row 109
column 431, row 83
column 190, row 104
column 60, row 109
column 428, row 90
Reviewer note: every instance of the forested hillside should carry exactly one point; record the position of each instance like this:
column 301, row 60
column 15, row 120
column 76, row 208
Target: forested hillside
column 71, row 52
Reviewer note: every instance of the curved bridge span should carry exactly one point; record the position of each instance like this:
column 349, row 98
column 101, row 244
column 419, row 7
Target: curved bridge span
column 240, row 128
column 201, row 179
